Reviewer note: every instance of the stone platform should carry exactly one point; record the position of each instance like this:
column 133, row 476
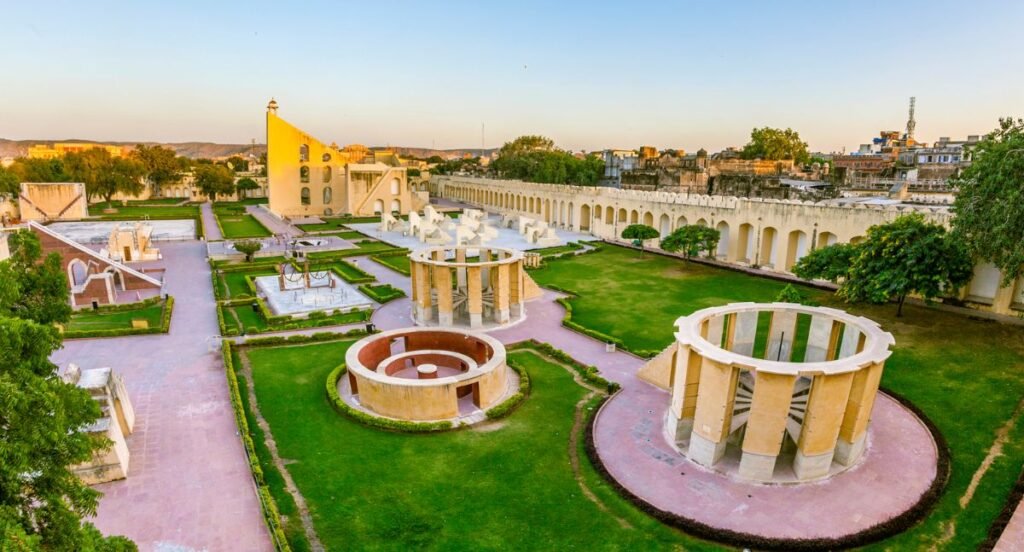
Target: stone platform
column 899, row 466
column 296, row 299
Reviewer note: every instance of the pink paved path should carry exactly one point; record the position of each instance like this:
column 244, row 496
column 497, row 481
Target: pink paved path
column 211, row 231
column 188, row 486
column 274, row 224
column 1012, row 539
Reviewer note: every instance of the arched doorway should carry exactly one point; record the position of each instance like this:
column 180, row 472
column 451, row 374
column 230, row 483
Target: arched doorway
column 723, row 240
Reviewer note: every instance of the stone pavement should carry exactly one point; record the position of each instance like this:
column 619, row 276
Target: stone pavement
column 189, row 485
column 1012, row 539
column 210, row 228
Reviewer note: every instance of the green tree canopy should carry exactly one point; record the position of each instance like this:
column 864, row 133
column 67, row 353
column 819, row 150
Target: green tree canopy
column 826, row 263
column 639, row 233
column 908, row 255
column 237, row 163
column 248, row 247
column 42, row 418
column 989, row 207
column 691, row 240
column 160, row 166
column 536, row 159
column 9, row 182
column 246, row 183
column 776, row 144
column 32, row 287
column 39, row 170
column 214, row 180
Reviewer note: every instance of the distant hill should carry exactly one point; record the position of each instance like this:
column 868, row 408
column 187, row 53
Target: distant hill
column 210, row 150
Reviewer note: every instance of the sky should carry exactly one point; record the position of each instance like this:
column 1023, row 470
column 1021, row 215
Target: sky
column 590, row 75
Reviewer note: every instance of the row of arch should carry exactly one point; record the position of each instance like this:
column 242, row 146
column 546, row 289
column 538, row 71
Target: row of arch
column 760, row 245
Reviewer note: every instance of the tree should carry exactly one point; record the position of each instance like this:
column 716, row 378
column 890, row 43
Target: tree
column 39, row 170
column 776, row 144
column 826, row 263
column 160, row 166
column 32, row 287
column 907, row 255
column 9, row 182
column 692, row 239
column 435, row 159
column 237, row 163
column 536, row 159
column 87, row 167
column 214, row 180
column 639, row 233
column 245, row 184
column 989, row 208
column 248, row 247
column 121, row 175
column 42, row 502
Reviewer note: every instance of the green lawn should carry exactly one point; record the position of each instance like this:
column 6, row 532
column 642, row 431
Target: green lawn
column 346, row 235
column 241, row 226
column 90, row 320
column 555, row 250
column 398, row 263
column 248, row 319
column 336, row 223
column 966, row 375
column 510, row 487
column 348, row 271
column 140, row 211
column 235, row 285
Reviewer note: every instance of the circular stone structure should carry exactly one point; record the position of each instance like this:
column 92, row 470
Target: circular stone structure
column 427, row 374
column 478, row 288
column 775, row 379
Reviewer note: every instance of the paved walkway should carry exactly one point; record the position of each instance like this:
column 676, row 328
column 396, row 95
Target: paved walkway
column 210, row 228
column 1012, row 539
column 189, row 485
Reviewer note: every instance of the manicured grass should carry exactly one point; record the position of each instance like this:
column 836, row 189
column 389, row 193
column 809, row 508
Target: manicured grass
column 510, row 487
column 348, row 271
column 251, row 321
column 241, row 226
column 346, row 235
column 965, row 374
column 157, row 201
column 381, row 293
column 89, row 320
column 139, row 211
column 336, row 223
column 549, row 251
column 364, row 248
column 235, row 285
column 398, row 263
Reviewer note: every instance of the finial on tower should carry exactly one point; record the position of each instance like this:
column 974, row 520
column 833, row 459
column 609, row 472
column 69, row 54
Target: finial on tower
column 272, row 106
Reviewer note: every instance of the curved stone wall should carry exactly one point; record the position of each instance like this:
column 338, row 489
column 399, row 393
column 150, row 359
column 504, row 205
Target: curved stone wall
column 775, row 380
column 422, row 374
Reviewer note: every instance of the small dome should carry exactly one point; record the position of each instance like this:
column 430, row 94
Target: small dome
column 272, row 106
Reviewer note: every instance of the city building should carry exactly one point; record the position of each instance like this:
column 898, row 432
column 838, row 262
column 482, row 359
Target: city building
column 60, row 149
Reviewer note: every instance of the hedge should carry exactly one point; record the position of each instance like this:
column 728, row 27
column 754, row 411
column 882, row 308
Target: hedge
column 164, row 327
column 270, row 510
column 883, row 530
column 387, row 424
column 387, row 293
column 590, row 374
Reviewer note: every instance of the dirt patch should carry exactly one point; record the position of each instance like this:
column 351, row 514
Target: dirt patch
column 487, row 427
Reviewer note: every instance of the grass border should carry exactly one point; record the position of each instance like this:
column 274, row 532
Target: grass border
column 889, row 528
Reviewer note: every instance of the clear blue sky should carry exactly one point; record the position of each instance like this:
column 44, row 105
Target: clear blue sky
column 588, row 74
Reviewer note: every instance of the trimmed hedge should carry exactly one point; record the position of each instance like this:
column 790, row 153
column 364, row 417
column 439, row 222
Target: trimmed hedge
column 164, row 327
column 386, row 424
column 883, row 530
column 590, row 374
column 386, row 292
column 271, row 514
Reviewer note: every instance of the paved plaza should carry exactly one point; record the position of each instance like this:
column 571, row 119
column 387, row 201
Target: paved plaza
column 98, row 231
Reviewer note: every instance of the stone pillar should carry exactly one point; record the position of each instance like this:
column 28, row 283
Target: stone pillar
column 516, row 289
column 423, row 307
column 501, row 294
column 745, row 333
column 766, row 425
column 818, row 339
column 685, row 382
column 713, row 415
column 853, row 432
column 780, row 336
column 485, row 256
column 474, row 297
column 826, row 406
column 443, row 285
column 460, row 272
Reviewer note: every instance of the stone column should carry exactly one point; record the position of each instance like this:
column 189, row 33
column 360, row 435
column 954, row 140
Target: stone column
column 423, row 307
column 766, row 425
column 853, row 432
column 685, row 382
column 474, row 297
column 516, row 289
column 460, row 272
column 713, row 415
column 485, row 256
column 826, row 406
column 502, row 292
column 780, row 336
column 443, row 285
column 745, row 333
column 818, row 339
